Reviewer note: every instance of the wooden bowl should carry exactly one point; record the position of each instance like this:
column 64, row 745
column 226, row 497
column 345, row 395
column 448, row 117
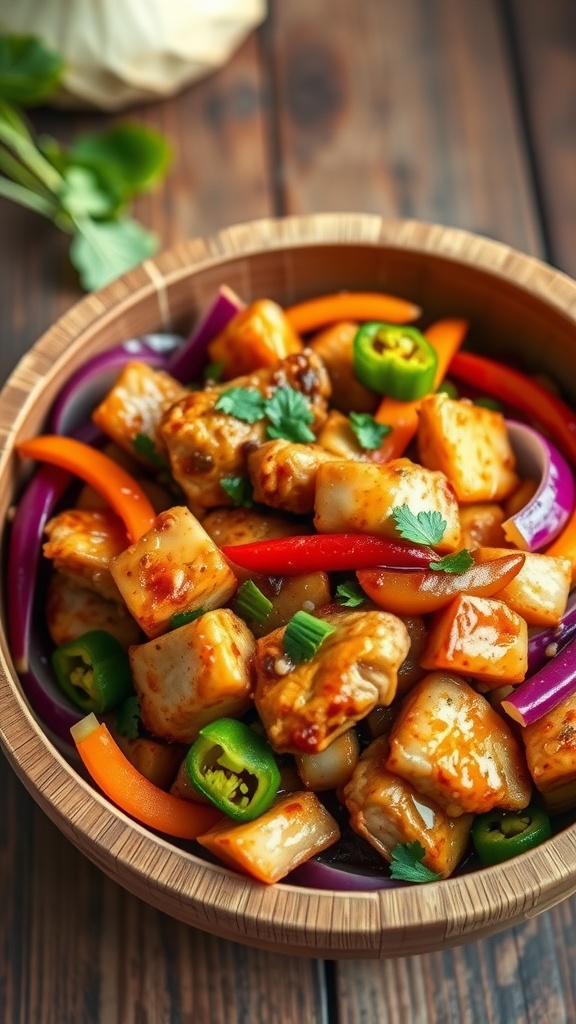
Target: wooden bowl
column 516, row 304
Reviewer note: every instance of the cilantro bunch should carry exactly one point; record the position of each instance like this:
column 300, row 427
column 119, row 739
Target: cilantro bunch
column 85, row 189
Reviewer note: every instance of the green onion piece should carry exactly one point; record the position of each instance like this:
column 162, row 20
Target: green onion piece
column 304, row 635
column 252, row 604
column 183, row 618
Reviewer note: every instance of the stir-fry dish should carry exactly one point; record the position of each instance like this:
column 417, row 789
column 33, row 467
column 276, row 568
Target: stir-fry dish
column 298, row 587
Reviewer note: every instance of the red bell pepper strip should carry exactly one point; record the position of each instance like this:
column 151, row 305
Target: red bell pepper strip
column 328, row 309
column 326, row 552
column 523, row 393
column 133, row 792
column 114, row 484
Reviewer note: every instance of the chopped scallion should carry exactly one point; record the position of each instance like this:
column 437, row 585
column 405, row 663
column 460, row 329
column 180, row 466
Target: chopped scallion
column 252, row 604
column 304, row 635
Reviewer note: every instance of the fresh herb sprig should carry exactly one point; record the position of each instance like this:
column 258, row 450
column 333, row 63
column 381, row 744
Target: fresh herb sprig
column 350, row 594
column 423, row 528
column 367, row 431
column 406, row 864
column 86, row 189
column 287, row 410
column 456, row 563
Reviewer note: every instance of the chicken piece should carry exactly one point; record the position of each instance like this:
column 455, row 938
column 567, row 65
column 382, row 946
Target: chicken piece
column 360, row 497
column 72, row 610
column 539, row 592
column 468, row 443
column 338, row 438
column 156, row 761
column 194, row 675
column 450, row 744
column 331, row 768
column 259, row 335
column 481, row 637
column 175, row 567
column 335, row 345
column 410, row 670
column 283, row 474
column 481, row 525
column 205, row 446
column 551, row 753
column 305, row 707
column 244, row 525
column 134, row 406
column 82, row 543
column 386, row 810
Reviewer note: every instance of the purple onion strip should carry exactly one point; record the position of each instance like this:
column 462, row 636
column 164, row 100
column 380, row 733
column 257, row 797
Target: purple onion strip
column 540, row 694
column 188, row 361
column 546, row 514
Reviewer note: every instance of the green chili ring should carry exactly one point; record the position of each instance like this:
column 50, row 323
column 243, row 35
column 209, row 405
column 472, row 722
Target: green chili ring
column 499, row 835
column 394, row 360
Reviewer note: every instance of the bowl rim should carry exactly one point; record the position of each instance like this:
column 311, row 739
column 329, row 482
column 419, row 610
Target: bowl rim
column 384, row 923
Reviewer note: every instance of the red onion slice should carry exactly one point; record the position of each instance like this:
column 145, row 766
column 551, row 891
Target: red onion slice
column 188, row 361
column 88, row 385
column 314, row 874
column 546, row 514
column 540, row 694
column 545, row 644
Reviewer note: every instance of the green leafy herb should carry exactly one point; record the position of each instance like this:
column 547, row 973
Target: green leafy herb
column 246, row 404
column 29, row 71
column 407, row 866
column 304, row 635
column 457, row 562
column 350, row 594
column 183, row 618
column 144, row 447
column 239, row 489
column 290, row 416
column 424, row 528
column 252, row 604
column 128, row 717
column 84, row 190
column 368, row 432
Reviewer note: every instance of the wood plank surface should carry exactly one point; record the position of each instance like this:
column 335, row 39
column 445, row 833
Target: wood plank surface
column 401, row 107
column 545, row 35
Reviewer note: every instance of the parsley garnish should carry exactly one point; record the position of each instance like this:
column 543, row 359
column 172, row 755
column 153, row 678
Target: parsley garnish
column 239, row 489
column 368, row 432
column 246, row 404
column 290, row 414
column 144, row 446
column 407, row 866
column 457, row 562
column 350, row 594
column 424, row 528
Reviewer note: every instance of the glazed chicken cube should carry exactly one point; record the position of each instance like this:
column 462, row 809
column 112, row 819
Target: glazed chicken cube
column 82, row 543
column 335, row 345
column 175, row 567
column 194, row 675
column 283, row 474
column 468, row 443
column 305, row 707
column 72, row 610
column 358, row 497
column 205, row 445
column 551, row 752
column 481, row 525
column 450, row 744
column 259, row 335
column 244, row 525
column 540, row 590
column 387, row 810
column 133, row 408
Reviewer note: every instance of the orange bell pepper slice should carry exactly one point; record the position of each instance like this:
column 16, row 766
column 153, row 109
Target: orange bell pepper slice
column 328, row 309
column 565, row 545
column 446, row 337
column 131, row 791
column 114, row 484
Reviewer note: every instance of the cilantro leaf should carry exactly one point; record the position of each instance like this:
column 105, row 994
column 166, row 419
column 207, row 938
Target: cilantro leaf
column 367, row 431
column 424, row 528
column 29, row 71
column 82, row 195
column 350, row 594
column 239, row 489
column 246, row 404
column 101, row 251
column 407, row 866
column 144, row 446
column 290, row 416
column 129, row 157
column 213, row 371
column 457, row 562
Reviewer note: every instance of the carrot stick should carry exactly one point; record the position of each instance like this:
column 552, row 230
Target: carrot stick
column 445, row 336
column 328, row 309
column 131, row 791
column 114, row 484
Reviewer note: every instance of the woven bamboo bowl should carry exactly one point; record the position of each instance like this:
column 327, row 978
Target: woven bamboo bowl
column 515, row 303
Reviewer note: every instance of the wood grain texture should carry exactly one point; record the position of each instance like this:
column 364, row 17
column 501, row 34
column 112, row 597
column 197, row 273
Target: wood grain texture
column 403, row 107
column 546, row 39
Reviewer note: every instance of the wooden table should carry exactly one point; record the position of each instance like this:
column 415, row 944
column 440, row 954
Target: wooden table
column 455, row 111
